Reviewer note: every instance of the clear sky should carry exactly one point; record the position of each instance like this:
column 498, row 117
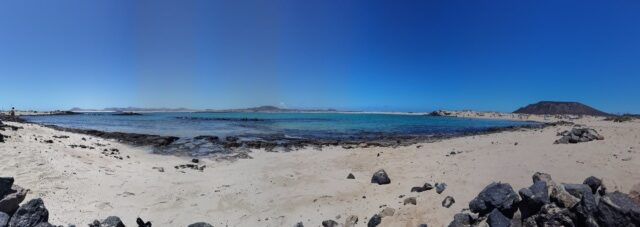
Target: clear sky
column 358, row 55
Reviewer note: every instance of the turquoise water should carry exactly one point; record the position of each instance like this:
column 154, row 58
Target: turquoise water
column 294, row 125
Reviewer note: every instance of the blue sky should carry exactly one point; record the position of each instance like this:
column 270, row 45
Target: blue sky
column 358, row 55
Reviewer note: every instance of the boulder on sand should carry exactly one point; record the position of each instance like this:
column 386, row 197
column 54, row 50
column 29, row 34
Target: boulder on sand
column 30, row 214
column 11, row 201
column 329, row 223
column 374, row 221
column 5, row 184
column 495, row 196
column 533, row 198
column 618, row 209
column 112, row 221
column 380, row 177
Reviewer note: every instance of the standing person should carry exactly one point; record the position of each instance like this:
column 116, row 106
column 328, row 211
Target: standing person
column 13, row 112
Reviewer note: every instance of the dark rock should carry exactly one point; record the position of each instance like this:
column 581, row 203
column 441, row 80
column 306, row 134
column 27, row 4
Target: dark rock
column 112, row 221
column 424, row 187
column 423, row 225
column 330, row 223
column 551, row 215
column 578, row 135
column 200, row 224
column 593, row 182
column 141, row 223
column 380, row 177
column 440, row 187
column 4, row 219
column 495, row 196
column 299, row 224
column 410, row 200
column 462, row 220
column 127, row 114
column 5, row 185
column 374, row 221
column 11, row 201
column 48, row 141
column 130, row 138
column 587, row 207
column 533, row 198
column 30, row 214
column 439, row 113
column 577, row 190
column 95, row 223
column 497, row 219
column 539, row 176
column 195, row 160
column 351, row 176
column 618, row 209
column 448, row 201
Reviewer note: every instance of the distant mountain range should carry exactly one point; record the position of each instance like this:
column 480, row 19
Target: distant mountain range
column 132, row 109
column 253, row 109
column 270, row 109
column 553, row 108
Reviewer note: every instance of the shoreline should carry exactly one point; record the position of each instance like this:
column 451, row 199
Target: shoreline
column 79, row 185
column 234, row 145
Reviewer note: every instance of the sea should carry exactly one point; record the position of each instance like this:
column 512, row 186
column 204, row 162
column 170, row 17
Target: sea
column 314, row 125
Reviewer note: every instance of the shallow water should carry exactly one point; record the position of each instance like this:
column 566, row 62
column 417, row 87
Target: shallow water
column 293, row 125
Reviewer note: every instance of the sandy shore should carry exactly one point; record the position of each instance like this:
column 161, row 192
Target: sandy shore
column 281, row 189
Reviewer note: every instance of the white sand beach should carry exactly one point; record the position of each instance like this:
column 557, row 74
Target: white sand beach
column 309, row 186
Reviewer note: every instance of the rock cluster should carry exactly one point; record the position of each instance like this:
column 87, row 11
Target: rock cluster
column 439, row 113
column 546, row 203
column 191, row 166
column 578, row 135
column 33, row 213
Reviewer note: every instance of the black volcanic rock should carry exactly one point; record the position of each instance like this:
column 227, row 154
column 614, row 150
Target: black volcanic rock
column 30, row 214
column 380, row 177
column 549, row 107
column 127, row 114
column 495, row 196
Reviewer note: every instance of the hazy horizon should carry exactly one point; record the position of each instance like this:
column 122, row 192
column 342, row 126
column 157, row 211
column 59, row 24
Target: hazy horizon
column 356, row 55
